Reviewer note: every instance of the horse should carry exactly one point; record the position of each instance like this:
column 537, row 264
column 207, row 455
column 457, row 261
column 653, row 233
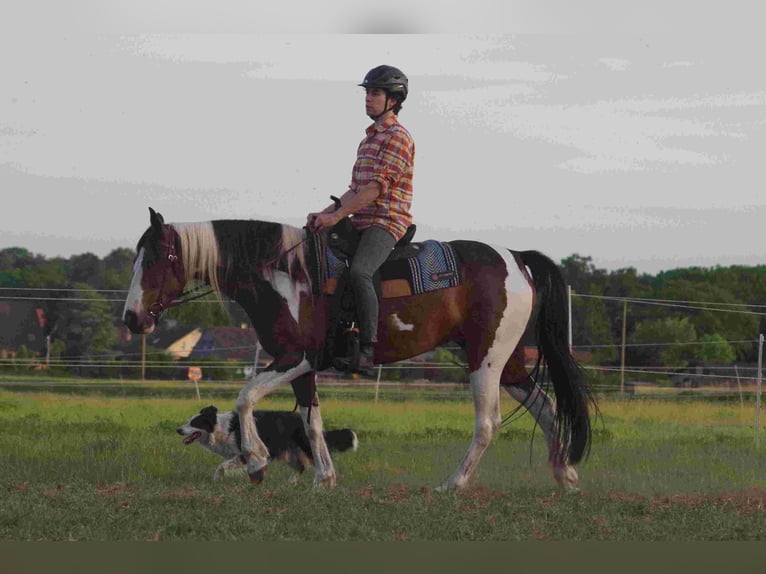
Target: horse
column 263, row 266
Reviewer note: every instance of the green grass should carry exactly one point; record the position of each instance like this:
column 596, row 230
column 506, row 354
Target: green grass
column 113, row 469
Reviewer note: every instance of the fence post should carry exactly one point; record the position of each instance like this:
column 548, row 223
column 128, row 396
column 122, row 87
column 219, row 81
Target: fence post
column 569, row 322
column 377, row 384
column 758, row 392
column 739, row 388
column 624, row 335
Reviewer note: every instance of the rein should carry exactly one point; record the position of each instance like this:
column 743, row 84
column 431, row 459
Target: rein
column 273, row 261
column 160, row 305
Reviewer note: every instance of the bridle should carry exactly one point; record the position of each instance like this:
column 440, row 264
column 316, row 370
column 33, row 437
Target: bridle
column 160, row 305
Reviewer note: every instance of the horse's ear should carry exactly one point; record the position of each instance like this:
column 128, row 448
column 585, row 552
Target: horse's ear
column 156, row 219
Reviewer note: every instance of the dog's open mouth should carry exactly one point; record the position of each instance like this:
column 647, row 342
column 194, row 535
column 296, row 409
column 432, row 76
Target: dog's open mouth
column 192, row 437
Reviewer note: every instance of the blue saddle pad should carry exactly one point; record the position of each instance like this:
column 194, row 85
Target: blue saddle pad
column 433, row 266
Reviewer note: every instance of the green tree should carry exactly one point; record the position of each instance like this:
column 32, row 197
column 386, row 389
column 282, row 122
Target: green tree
column 663, row 343
column 57, row 362
column 715, row 349
column 118, row 268
column 713, row 309
column 205, row 312
column 88, row 269
column 86, row 325
column 450, row 367
column 590, row 319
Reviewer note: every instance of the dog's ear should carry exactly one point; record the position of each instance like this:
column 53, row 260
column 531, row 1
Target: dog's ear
column 210, row 413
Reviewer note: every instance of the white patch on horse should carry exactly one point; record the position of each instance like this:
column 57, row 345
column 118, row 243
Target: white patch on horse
column 289, row 289
column 518, row 309
column 135, row 292
column 400, row 325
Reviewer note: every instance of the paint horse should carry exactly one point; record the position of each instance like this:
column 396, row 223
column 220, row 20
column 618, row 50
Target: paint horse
column 263, row 267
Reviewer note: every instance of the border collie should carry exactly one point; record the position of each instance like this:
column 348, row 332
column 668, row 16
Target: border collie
column 282, row 432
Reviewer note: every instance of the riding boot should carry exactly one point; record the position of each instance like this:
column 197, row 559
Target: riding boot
column 365, row 365
column 366, row 353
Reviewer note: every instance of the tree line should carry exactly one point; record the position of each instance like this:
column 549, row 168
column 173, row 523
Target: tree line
column 692, row 315
column 82, row 297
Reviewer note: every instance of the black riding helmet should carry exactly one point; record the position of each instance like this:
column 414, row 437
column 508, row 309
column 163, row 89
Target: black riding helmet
column 387, row 78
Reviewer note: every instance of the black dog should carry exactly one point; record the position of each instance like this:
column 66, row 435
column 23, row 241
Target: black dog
column 282, row 432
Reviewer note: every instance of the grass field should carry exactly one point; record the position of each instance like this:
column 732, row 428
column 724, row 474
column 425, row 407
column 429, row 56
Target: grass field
column 81, row 466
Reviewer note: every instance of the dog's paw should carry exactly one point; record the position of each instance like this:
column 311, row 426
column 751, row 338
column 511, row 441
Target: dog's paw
column 257, row 476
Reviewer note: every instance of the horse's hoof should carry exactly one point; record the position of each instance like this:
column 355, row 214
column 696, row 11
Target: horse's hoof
column 258, row 476
column 327, row 482
column 567, row 478
column 446, row 487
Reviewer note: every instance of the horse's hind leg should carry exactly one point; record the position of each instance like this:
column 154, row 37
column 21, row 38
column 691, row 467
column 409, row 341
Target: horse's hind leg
column 486, row 401
column 530, row 395
column 488, row 356
column 305, row 393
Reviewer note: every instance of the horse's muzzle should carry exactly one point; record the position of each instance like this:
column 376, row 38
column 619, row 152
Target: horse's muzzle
column 133, row 322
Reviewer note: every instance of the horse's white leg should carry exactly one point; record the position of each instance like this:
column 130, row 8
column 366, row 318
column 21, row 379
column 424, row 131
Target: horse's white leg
column 486, row 401
column 324, row 471
column 255, row 452
column 540, row 406
column 485, row 377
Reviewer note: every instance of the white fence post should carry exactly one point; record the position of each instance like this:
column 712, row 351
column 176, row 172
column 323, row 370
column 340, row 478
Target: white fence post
column 758, row 392
column 569, row 321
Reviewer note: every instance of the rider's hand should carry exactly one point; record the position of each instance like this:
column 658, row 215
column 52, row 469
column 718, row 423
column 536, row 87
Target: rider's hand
column 320, row 221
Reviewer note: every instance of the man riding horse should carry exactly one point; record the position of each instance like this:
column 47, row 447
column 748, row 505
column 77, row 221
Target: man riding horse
column 378, row 199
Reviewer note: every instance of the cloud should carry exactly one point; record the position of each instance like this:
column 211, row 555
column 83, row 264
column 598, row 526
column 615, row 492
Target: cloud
column 627, row 134
column 678, row 64
column 616, row 64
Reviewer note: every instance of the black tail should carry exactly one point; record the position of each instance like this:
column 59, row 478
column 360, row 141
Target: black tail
column 340, row 440
column 573, row 398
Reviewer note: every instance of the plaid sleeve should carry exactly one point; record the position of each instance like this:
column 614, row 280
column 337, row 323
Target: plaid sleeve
column 394, row 159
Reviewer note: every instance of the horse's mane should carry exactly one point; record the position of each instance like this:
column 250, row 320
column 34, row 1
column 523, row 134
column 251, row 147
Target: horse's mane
column 199, row 252
column 295, row 257
column 210, row 249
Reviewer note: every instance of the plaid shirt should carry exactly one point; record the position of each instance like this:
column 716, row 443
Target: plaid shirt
column 385, row 155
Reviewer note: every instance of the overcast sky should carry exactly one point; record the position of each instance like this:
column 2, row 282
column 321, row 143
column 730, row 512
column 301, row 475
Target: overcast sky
column 633, row 137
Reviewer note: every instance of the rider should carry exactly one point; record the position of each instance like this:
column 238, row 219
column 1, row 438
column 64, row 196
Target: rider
column 378, row 199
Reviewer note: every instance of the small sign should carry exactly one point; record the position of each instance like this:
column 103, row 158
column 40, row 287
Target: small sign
column 194, row 374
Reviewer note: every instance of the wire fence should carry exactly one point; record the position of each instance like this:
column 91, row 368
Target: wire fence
column 121, row 362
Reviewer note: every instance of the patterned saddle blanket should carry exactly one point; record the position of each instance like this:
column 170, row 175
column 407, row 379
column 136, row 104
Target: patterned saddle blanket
column 410, row 270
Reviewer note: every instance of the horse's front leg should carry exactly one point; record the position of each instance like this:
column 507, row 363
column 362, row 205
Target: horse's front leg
column 324, row 470
column 230, row 464
column 253, row 450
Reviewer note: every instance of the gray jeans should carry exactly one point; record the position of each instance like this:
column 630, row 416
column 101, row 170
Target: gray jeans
column 374, row 248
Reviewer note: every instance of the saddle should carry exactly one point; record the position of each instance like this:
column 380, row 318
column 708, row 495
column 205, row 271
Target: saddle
column 410, row 269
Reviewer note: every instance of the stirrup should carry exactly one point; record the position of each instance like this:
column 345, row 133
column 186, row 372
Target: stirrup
column 354, row 365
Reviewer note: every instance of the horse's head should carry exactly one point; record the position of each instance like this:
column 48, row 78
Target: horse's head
column 158, row 276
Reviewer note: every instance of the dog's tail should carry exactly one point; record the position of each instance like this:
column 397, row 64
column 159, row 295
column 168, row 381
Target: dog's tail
column 340, row 440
